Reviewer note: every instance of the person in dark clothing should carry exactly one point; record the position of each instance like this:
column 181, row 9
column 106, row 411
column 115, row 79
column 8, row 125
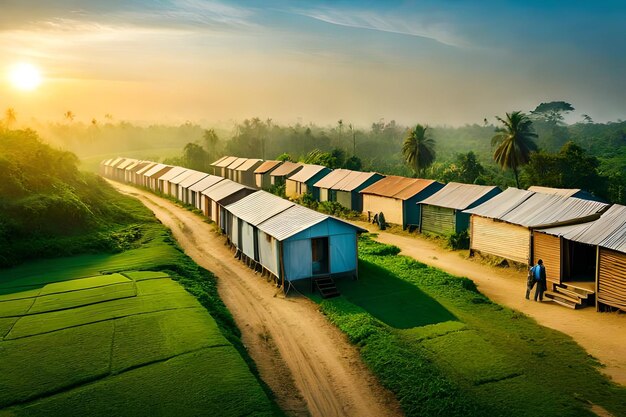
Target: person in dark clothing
column 530, row 282
column 539, row 274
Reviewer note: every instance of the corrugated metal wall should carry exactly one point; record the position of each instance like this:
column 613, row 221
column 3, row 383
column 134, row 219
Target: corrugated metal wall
column 500, row 239
column 548, row 249
column 439, row 220
column 391, row 207
column 344, row 198
column 612, row 279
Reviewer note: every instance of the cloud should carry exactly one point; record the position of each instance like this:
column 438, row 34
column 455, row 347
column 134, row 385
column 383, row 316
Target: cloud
column 416, row 26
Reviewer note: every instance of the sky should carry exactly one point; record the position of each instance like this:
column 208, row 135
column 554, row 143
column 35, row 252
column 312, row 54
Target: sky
column 439, row 62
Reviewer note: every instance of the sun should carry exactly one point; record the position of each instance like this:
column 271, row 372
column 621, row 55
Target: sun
column 25, row 76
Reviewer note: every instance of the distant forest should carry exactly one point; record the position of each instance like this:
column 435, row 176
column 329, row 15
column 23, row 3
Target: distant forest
column 585, row 155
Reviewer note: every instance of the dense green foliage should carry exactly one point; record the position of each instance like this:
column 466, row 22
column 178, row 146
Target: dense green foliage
column 464, row 354
column 49, row 208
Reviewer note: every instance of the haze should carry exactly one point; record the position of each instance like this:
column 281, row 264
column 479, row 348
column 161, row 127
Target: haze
column 435, row 62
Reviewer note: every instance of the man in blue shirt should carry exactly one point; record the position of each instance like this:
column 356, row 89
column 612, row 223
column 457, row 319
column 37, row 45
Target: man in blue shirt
column 536, row 276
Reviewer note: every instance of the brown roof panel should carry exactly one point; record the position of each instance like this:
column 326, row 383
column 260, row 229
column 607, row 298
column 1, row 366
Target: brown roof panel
column 285, row 169
column 248, row 164
column 266, row 166
column 394, row 186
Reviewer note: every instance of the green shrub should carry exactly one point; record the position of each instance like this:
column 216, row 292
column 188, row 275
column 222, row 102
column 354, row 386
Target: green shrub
column 458, row 240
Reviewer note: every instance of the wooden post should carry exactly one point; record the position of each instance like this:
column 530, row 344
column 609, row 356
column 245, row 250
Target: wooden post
column 597, row 276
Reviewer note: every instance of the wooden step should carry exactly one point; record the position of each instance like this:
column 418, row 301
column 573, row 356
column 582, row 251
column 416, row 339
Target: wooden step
column 565, row 303
column 326, row 287
column 565, row 297
column 570, row 293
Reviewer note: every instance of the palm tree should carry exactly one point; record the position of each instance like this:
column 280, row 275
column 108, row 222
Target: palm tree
column 514, row 141
column 10, row 117
column 69, row 116
column 418, row 149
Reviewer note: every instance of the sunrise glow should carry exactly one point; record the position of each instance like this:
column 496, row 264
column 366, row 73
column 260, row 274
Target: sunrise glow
column 25, row 76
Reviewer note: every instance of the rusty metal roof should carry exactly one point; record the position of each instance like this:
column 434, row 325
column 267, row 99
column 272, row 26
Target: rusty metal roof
column 266, row 166
column 258, row 207
column 609, row 231
column 498, row 206
column 401, row 188
column 223, row 189
column 307, row 172
column 287, row 168
column 545, row 209
column 458, row 196
column 205, row 183
column 249, row 164
column 332, row 178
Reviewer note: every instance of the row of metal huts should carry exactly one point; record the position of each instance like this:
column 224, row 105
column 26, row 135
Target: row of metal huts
column 581, row 240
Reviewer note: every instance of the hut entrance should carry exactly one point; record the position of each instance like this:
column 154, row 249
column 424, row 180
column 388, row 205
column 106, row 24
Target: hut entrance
column 319, row 250
column 579, row 261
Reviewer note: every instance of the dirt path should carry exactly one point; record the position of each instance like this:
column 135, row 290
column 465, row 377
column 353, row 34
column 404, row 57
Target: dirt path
column 603, row 335
column 307, row 362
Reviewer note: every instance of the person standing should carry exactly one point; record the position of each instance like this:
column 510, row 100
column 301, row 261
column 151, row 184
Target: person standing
column 530, row 281
column 539, row 274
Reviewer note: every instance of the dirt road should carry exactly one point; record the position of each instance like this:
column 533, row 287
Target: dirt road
column 603, row 335
column 307, row 362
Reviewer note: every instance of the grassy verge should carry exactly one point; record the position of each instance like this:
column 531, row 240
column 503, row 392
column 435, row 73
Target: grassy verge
column 123, row 343
column 445, row 349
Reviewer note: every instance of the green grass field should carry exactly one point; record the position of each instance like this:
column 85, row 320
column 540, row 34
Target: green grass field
column 135, row 344
column 445, row 349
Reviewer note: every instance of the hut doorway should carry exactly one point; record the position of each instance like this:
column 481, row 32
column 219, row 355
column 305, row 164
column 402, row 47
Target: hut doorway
column 320, row 251
column 579, row 262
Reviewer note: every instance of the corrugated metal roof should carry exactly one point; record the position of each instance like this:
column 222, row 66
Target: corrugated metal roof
column 458, row 196
column 156, row 169
column 224, row 162
column 207, row 182
column 498, row 206
column 266, row 166
column 353, row 180
column 258, row 207
column 106, row 162
column 285, row 169
column 544, row 209
column 218, row 161
column 182, row 176
column 295, row 220
column 332, row 178
column 172, row 173
column 307, row 172
column 291, row 221
column 564, row 192
column 127, row 162
column 394, row 186
column 223, row 189
column 117, row 161
column 193, row 178
column 133, row 165
column 147, row 168
column 609, row 231
column 249, row 164
column 236, row 163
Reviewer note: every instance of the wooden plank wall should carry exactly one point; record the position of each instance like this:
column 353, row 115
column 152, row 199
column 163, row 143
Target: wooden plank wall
column 548, row 249
column 501, row 239
column 612, row 279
